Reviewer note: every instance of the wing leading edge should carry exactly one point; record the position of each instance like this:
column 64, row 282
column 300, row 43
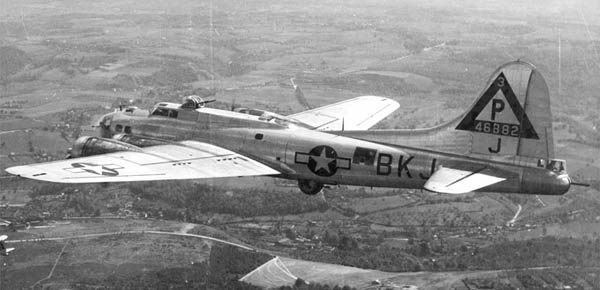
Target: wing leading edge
column 183, row 160
column 360, row 113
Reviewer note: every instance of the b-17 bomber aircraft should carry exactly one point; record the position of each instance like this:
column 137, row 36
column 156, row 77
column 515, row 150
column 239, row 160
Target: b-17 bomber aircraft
column 503, row 143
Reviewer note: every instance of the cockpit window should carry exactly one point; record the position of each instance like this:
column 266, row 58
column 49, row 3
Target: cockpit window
column 119, row 128
column 160, row 112
column 105, row 123
column 165, row 112
column 127, row 129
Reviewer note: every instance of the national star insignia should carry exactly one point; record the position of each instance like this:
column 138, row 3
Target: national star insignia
column 322, row 161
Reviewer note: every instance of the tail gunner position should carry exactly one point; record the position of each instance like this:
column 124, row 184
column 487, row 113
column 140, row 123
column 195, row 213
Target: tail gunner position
column 503, row 143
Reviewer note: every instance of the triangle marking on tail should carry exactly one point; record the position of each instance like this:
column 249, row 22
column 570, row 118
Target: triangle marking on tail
column 497, row 123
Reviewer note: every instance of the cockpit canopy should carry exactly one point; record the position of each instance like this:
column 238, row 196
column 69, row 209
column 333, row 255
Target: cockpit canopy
column 192, row 109
column 165, row 109
column 189, row 103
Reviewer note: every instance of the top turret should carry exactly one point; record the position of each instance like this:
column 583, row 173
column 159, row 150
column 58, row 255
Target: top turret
column 194, row 102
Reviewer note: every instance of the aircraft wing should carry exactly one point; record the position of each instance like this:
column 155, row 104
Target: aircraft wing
column 457, row 181
column 355, row 114
column 183, row 160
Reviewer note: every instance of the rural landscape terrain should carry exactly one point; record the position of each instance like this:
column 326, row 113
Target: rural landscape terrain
column 65, row 63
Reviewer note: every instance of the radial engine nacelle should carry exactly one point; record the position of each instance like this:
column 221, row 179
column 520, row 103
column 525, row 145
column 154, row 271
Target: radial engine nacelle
column 140, row 141
column 89, row 146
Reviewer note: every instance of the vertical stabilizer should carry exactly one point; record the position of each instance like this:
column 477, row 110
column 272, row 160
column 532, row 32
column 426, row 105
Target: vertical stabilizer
column 512, row 116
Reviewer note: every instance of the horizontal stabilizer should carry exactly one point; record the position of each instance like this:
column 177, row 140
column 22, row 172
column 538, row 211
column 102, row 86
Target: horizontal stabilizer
column 359, row 113
column 455, row 181
column 183, row 160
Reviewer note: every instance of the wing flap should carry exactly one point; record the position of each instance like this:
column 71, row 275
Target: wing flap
column 456, row 181
column 185, row 160
column 359, row 113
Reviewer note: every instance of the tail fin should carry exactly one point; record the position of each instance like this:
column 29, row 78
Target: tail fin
column 512, row 116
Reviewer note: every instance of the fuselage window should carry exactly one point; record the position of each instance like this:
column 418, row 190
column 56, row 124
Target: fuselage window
column 541, row 163
column 127, row 129
column 258, row 136
column 119, row 128
column 364, row 155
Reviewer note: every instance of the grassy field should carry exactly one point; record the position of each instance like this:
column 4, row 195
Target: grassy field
column 98, row 258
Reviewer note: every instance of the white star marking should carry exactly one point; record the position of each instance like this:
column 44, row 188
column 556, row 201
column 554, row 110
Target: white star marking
column 322, row 161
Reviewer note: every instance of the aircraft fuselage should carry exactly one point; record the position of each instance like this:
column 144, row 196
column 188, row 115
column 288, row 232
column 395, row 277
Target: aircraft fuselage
column 325, row 158
column 502, row 143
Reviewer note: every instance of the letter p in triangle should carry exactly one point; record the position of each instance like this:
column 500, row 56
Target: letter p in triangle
column 490, row 114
